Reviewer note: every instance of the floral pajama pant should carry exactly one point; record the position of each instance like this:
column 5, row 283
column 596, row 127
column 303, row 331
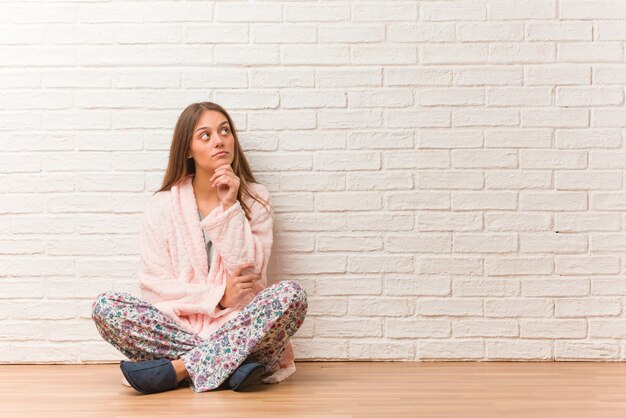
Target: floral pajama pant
column 259, row 332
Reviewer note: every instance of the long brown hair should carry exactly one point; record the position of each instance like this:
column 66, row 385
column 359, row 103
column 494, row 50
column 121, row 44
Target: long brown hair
column 179, row 166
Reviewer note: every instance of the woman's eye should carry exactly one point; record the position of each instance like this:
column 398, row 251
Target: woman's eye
column 223, row 130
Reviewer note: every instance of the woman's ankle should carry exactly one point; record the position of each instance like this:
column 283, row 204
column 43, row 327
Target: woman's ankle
column 181, row 371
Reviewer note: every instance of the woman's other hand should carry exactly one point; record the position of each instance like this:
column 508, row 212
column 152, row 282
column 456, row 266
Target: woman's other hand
column 239, row 286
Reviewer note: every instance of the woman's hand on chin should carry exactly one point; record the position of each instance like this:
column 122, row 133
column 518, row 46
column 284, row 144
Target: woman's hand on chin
column 227, row 184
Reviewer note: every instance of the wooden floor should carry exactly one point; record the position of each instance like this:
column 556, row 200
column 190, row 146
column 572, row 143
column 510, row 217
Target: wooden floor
column 333, row 389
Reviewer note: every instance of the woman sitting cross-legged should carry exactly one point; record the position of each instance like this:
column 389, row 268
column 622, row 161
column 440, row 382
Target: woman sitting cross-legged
column 206, row 315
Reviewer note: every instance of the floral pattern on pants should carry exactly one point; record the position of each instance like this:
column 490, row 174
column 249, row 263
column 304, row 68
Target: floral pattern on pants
column 259, row 332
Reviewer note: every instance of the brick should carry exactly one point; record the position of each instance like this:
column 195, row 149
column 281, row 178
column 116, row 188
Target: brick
column 607, row 328
column 342, row 201
column 608, row 286
column 353, row 33
column 427, row 242
column 379, row 306
column 483, row 200
column 320, row 349
column 451, row 349
column 583, row 350
column 518, row 138
column 507, row 266
column 485, row 287
column 448, row 221
column 587, row 307
column 556, row 201
column 526, row 9
column 553, row 242
column 450, row 180
column 308, row 141
column 326, row 306
column 348, row 243
column 585, row 265
column 380, row 140
column 518, row 307
column 348, row 327
column 485, row 328
column 380, row 264
column 519, row 349
column 234, row 12
column 409, row 286
column 518, row 179
column 418, row 328
column 352, row 286
column 555, row 287
column 588, row 181
column 391, row 181
column 484, row 243
column 449, row 265
column 450, row 307
column 518, row 221
column 381, row 350
column 586, row 222
column 553, row 328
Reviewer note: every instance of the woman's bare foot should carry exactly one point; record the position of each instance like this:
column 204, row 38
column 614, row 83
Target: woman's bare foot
column 181, row 371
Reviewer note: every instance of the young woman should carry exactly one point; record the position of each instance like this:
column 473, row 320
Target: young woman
column 206, row 315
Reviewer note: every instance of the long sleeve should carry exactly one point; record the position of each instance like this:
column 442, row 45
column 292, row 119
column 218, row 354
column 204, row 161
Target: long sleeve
column 157, row 282
column 240, row 241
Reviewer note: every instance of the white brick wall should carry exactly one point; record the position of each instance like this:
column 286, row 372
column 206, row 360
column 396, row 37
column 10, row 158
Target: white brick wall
column 448, row 176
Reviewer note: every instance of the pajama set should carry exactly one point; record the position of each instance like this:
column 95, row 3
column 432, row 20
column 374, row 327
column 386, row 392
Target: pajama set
column 177, row 316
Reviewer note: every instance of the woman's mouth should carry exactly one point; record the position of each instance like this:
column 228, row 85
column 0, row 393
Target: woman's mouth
column 220, row 154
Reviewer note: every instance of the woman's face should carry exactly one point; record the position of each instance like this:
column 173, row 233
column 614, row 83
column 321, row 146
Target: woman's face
column 211, row 135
